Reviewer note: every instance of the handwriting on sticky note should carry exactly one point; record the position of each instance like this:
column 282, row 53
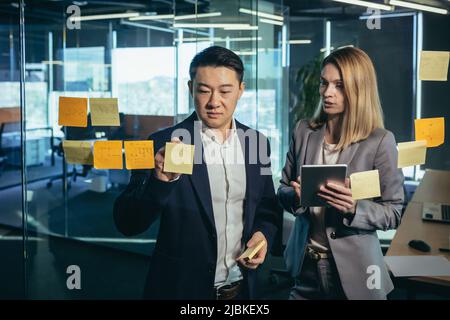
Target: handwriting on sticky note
column 78, row 152
column 104, row 111
column 431, row 129
column 411, row 153
column 434, row 65
column 108, row 155
column 365, row 184
column 250, row 252
column 72, row 112
column 139, row 155
column 179, row 158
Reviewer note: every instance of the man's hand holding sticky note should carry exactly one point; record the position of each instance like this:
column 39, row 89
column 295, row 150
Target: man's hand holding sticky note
column 179, row 158
column 365, row 184
column 251, row 251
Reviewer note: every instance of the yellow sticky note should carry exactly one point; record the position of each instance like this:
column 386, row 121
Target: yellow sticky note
column 411, row 153
column 431, row 129
column 108, row 155
column 365, row 184
column 78, row 152
column 434, row 65
column 179, row 158
column 252, row 251
column 104, row 111
column 139, row 154
column 72, row 112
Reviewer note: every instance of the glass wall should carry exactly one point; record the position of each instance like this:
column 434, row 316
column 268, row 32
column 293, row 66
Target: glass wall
column 138, row 52
column 55, row 217
column 11, row 188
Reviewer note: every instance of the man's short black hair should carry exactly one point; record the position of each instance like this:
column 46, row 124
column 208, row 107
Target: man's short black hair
column 216, row 56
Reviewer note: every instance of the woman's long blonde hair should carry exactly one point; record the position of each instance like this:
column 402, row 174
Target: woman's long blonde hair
column 363, row 111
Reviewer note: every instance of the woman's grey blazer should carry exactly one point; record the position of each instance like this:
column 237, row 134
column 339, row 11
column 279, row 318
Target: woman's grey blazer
column 353, row 240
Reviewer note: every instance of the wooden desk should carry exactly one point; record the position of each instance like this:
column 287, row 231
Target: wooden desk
column 434, row 187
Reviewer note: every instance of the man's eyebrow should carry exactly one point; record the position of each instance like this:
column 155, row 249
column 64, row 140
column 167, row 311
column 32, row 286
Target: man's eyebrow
column 201, row 84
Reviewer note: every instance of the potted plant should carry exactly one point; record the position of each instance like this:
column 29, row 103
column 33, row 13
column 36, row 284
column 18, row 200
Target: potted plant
column 308, row 98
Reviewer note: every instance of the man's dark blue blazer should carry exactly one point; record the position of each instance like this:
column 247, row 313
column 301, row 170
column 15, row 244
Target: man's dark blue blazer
column 184, row 260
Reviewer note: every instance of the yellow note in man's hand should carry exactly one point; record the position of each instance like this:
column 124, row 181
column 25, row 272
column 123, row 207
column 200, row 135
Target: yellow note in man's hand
column 434, row 65
column 411, row 153
column 179, row 158
column 252, row 251
column 104, row 111
column 431, row 129
column 72, row 112
column 108, row 155
column 365, row 184
column 139, row 154
column 78, row 152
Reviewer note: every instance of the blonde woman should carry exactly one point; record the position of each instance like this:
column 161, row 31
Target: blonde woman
column 333, row 252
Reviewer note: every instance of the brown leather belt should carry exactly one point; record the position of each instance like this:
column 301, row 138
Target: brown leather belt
column 316, row 255
column 229, row 291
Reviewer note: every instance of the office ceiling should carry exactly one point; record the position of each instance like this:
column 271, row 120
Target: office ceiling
column 53, row 9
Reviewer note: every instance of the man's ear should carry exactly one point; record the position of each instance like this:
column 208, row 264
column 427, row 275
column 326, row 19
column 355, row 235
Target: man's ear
column 190, row 87
column 241, row 89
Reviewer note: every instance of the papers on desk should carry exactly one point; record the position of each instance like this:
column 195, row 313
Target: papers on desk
column 78, row 152
column 104, row 111
column 415, row 266
column 72, row 112
column 139, row 154
column 108, row 155
column 431, row 129
column 411, row 153
column 434, row 65
column 365, row 184
column 179, row 158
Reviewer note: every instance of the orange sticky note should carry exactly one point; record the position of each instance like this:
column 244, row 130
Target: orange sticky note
column 108, row 155
column 72, row 112
column 139, row 154
column 431, row 130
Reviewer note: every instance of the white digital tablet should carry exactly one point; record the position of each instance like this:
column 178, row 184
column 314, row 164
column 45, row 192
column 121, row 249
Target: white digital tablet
column 314, row 176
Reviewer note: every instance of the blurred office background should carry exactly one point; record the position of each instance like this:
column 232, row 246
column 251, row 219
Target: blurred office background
column 53, row 215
